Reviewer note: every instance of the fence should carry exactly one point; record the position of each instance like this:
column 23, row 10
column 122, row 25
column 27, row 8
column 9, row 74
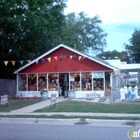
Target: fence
column 123, row 80
column 115, row 90
column 7, row 86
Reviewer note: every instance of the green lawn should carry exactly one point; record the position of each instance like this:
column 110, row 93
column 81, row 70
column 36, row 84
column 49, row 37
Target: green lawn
column 16, row 104
column 78, row 106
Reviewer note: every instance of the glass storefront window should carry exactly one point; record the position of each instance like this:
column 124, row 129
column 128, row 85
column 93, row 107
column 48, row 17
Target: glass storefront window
column 98, row 83
column 107, row 80
column 53, row 81
column 32, row 83
column 42, row 81
column 86, row 81
column 98, row 80
column 74, row 81
column 22, row 85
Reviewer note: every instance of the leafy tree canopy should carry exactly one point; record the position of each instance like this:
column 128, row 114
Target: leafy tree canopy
column 27, row 29
column 26, row 26
column 133, row 48
column 85, row 32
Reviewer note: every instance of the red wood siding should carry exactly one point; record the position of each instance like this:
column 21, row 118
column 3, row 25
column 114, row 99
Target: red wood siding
column 64, row 65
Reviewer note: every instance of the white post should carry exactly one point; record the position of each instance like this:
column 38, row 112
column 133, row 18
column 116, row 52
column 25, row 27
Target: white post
column 37, row 81
column 17, row 81
column 80, row 80
column 104, row 79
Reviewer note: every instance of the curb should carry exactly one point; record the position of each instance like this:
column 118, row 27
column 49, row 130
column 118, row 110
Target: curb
column 73, row 114
column 87, row 122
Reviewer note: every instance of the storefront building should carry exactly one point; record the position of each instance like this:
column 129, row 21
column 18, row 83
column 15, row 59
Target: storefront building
column 63, row 69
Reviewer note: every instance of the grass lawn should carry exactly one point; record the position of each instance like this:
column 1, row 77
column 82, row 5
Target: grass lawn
column 79, row 106
column 16, row 104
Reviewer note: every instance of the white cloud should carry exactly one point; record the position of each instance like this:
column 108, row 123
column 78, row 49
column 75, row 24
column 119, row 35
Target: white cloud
column 110, row 11
column 125, row 13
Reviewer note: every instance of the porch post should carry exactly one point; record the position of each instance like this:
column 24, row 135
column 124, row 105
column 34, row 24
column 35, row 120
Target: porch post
column 17, row 81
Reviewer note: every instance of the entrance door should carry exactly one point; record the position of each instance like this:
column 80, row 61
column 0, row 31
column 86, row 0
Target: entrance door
column 63, row 84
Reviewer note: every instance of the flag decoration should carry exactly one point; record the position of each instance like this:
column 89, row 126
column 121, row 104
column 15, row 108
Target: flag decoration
column 70, row 56
column 21, row 62
column 109, row 57
column 13, row 62
column 43, row 60
column 83, row 57
column 73, row 56
column 55, row 57
column 80, row 58
column 65, row 57
column 124, row 57
column 62, row 57
column 37, row 61
column 29, row 61
column 5, row 62
column 49, row 59
column 103, row 57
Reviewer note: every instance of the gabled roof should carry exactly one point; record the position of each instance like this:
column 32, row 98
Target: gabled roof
column 95, row 59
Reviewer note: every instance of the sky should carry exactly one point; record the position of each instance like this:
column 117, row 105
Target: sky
column 119, row 18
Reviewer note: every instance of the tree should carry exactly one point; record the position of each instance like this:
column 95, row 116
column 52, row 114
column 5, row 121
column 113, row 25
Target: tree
column 85, row 32
column 133, row 48
column 28, row 28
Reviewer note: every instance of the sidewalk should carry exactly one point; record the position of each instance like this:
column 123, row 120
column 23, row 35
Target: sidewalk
column 72, row 114
column 60, row 122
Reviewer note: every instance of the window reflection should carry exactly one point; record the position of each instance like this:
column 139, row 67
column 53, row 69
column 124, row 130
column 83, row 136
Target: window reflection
column 42, row 81
column 22, row 82
column 32, row 86
column 98, row 80
column 53, row 81
column 98, row 83
column 86, row 81
column 74, row 81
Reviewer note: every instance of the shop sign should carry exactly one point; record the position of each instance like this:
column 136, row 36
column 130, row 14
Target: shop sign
column 53, row 100
column 98, row 74
column 4, row 99
column 71, row 78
